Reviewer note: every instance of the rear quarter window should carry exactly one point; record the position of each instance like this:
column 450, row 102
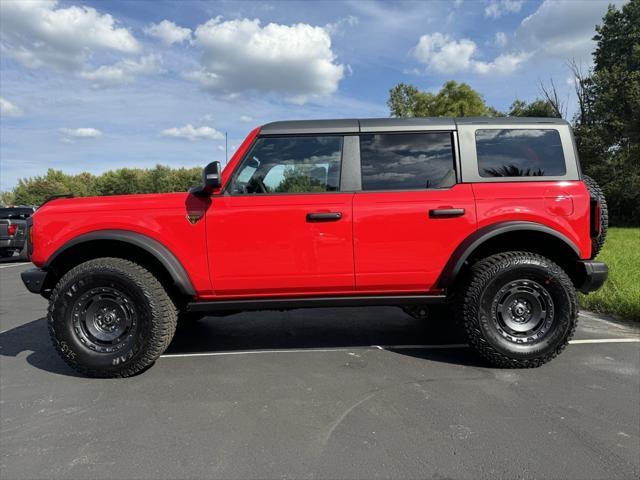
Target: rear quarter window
column 519, row 153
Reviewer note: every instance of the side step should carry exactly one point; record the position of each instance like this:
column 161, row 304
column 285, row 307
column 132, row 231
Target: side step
column 313, row 302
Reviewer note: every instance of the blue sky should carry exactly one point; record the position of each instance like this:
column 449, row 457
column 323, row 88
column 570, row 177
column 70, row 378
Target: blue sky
column 99, row 85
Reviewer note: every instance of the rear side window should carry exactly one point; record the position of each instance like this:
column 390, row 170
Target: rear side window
column 407, row 161
column 519, row 153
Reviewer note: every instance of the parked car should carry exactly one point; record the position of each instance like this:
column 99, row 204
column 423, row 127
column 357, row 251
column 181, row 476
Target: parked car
column 491, row 216
column 13, row 225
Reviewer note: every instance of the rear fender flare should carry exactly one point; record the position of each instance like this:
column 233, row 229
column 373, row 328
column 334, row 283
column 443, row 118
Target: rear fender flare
column 462, row 253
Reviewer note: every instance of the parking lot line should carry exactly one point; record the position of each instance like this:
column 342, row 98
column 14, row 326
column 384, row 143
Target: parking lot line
column 605, row 340
column 376, row 347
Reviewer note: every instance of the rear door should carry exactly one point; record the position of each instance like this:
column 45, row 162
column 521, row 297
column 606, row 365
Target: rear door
column 283, row 226
column 411, row 213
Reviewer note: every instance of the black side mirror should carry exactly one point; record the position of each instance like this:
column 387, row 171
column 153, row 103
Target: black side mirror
column 211, row 180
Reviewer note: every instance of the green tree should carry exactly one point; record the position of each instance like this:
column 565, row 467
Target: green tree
column 296, row 180
column 537, row 108
column 453, row 100
column 607, row 126
column 7, row 198
column 33, row 191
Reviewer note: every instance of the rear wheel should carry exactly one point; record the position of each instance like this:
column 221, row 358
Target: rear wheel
column 518, row 309
column 110, row 317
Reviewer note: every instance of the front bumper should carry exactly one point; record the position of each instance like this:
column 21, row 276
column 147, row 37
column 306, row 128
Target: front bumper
column 34, row 279
column 593, row 275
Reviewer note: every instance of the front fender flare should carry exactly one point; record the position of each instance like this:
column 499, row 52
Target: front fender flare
column 150, row 245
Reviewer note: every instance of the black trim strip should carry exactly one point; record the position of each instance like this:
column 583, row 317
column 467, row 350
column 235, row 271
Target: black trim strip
column 477, row 238
column 313, row 302
column 155, row 248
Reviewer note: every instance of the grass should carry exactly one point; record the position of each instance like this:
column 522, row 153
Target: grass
column 620, row 295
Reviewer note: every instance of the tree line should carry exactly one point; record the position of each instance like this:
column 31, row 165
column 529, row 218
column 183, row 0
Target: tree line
column 159, row 179
column 606, row 126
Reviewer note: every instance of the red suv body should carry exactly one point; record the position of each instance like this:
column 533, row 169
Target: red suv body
column 338, row 212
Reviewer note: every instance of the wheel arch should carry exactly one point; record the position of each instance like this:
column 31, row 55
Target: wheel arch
column 512, row 236
column 134, row 246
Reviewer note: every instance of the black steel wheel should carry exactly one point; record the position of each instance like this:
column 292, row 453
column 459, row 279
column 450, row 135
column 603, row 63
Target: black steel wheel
column 523, row 311
column 104, row 318
column 518, row 309
column 110, row 317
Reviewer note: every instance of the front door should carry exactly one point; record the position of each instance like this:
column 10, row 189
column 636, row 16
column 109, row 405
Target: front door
column 411, row 213
column 283, row 227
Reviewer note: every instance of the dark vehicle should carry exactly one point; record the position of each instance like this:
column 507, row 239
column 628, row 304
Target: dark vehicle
column 13, row 230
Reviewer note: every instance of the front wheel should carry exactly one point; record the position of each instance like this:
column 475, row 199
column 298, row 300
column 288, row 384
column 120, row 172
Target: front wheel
column 518, row 309
column 110, row 317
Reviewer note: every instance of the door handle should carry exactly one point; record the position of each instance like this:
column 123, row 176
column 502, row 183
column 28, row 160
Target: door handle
column 324, row 216
column 446, row 212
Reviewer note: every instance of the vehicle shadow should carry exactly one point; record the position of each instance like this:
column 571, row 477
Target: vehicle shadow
column 386, row 327
column 33, row 337
column 374, row 327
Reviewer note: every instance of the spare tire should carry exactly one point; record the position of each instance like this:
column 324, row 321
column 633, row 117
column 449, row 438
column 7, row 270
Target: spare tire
column 596, row 192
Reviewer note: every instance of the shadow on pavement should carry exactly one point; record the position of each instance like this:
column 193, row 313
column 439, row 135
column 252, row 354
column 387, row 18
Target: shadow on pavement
column 33, row 338
column 298, row 329
column 326, row 328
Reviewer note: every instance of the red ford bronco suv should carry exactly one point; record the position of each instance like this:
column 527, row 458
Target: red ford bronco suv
column 492, row 216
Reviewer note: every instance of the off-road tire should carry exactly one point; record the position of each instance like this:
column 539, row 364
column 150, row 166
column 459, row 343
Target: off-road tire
column 475, row 309
column 596, row 192
column 153, row 312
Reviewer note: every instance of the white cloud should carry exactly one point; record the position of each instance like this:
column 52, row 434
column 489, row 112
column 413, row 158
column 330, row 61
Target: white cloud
column 563, row 28
column 442, row 54
column 168, row 32
column 246, row 118
column 502, row 64
column 8, row 109
column 501, row 39
column 338, row 27
column 122, row 72
column 191, row 133
column 86, row 132
column 498, row 8
column 36, row 34
column 242, row 55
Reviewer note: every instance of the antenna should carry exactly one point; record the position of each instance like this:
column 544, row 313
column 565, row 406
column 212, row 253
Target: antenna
column 226, row 154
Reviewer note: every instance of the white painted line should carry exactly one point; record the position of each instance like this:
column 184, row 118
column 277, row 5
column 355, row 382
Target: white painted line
column 251, row 352
column 605, row 340
column 9, row 265
column 376, row 347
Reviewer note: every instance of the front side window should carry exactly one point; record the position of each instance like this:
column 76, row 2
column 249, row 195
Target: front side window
column 519, row 153
column 407, row 161
column 290, row 165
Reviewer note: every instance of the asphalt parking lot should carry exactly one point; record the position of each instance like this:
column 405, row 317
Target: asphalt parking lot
column 331, row 393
